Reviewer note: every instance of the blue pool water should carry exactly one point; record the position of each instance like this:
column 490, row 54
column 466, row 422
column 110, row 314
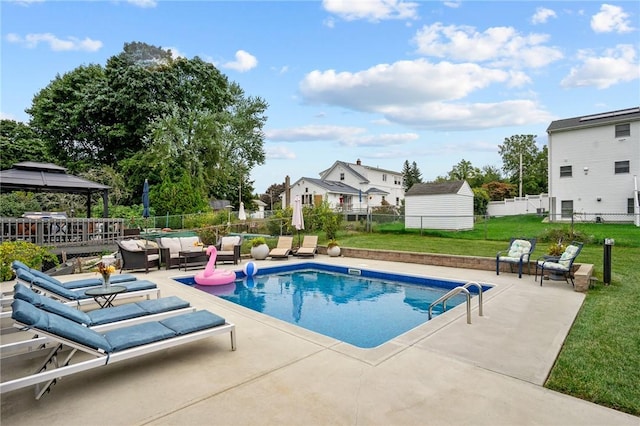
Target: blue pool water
column 360, row 307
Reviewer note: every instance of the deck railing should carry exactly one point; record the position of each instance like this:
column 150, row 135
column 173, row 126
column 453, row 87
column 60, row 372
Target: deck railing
column 62, row 232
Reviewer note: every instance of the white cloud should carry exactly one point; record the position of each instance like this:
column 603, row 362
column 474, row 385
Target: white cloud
column 175, row 53
column 5, row 116
column 279, row 153
column 371, row 10
column 402, row 83
column 542, row 15
column 313, row 133
column 456, row 117
column 143, row 3
column 453, row 4
column 31, row 41
column 244, row 62
column 616, row 65
column 502, row 46
column 380, row 140
column 611, row 19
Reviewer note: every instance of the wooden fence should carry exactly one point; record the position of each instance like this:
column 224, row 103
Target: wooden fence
column 62, row 232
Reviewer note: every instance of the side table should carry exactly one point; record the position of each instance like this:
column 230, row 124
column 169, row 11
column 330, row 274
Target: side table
column 104, row 296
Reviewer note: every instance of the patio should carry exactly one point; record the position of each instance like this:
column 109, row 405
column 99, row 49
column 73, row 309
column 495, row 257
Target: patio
column 443, row 372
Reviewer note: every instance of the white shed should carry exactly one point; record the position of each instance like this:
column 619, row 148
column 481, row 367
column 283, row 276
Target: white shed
column 441, row 205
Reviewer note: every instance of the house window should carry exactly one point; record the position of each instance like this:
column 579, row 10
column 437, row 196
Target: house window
column 397, row 201
column 566, row 208
column 622, row 167
column 307, row 199
column 630, row 206
column 384, row 177
column 623, row 130
column 341, row 176
column 565, row 171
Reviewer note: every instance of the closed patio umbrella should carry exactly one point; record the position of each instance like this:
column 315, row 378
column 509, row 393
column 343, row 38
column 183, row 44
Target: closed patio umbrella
column 241, row 213
column 297, row 220
column 145, row 199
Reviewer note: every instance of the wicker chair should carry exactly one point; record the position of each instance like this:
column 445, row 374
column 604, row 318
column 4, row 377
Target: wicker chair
column 229, row 249
column 135, row 255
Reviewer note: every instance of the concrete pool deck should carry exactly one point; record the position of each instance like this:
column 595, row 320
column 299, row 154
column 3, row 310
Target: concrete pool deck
column 444, row 372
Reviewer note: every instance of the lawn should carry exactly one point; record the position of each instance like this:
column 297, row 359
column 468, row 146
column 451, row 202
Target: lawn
column 600, row 359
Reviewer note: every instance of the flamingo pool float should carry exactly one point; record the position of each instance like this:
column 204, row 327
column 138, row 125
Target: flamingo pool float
column 211, row 275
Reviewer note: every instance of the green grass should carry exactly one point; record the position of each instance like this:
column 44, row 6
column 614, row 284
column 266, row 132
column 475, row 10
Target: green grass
column 600, row 359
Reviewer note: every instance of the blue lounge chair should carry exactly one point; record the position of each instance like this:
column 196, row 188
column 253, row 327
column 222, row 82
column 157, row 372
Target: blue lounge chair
column 47, row 287
column 98, row 319
column 75, row 284
column 105, row 348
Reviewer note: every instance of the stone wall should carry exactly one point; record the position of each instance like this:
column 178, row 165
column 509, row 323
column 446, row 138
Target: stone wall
column 582, row 273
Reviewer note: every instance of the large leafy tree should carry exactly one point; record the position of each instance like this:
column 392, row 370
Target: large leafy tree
column 18, row 142
column 534, row 163
column 152, row 116
column 464, row 170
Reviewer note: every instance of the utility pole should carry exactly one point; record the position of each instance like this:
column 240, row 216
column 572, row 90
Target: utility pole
column 520, row 191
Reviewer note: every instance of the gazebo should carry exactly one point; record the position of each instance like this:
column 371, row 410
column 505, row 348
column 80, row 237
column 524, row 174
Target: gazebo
column 46, row 177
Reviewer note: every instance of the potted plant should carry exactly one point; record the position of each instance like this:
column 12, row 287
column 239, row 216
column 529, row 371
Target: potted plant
column 333, row 249
column 259, row 248
column 556, row 249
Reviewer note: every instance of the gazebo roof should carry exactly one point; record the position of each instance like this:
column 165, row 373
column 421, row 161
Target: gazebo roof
column 45, row 177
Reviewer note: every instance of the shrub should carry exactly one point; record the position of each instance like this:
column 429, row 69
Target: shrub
column 255, row 242
column 28, row 253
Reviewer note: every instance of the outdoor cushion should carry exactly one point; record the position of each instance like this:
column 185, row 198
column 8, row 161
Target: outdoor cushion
column 130, row 245
column 156, row 306
column 115, row 313
column 30, row 315
column 137, row 335
column 190, row 244
column 569, row 253
column 518, row 248
column 228, row 243
column 146, row 244
column 173, row 244
column 191, row 322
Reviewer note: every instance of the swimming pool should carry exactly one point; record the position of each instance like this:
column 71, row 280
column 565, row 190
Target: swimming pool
column 364, row 308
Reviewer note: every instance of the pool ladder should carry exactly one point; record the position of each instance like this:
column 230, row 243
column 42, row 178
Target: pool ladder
column 455, row 291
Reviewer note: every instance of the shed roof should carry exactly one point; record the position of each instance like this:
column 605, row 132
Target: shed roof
column 435, row 188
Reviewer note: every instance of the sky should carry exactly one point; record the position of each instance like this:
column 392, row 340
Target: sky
column 383, row 81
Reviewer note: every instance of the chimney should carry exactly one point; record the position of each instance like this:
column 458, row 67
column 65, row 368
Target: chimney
column 358, row 162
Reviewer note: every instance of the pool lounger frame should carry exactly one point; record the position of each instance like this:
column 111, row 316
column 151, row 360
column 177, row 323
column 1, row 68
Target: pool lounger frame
column 44, row 379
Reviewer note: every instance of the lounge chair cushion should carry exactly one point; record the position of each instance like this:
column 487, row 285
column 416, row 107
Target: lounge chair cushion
column 192, row 322
column 16, row 264
column 138, row 285
column 115, row 313
column 518, row 248
column 24, row 293
column 137, row 335
column 156, row 306
column 28, row 314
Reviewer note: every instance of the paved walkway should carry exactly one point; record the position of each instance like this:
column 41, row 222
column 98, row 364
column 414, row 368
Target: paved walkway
column 445, row 372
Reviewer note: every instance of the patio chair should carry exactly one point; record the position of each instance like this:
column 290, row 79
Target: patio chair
column 104, row 348
column 229, row 249
column 283, row 248
column 561, row 267
column 98, row 319
column 75, row 284
column 309, row 246
column 136, row 256
column 518, row 253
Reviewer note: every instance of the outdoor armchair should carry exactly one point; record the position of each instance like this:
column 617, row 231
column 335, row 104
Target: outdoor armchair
column 518, row 253
column 561, row 267
column 229, row 249
column 136, row 254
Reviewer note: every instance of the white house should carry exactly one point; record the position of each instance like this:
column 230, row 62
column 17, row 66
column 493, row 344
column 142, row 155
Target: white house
column 441, row 205
column 594, row 162
column 350, row 187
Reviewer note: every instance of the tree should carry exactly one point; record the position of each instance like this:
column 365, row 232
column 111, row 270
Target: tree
column 480, row 201
column 498, row 191
column 464, row 170
column 273, row 196
column 18, row 142
column 410, row 174
column 534, row 163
